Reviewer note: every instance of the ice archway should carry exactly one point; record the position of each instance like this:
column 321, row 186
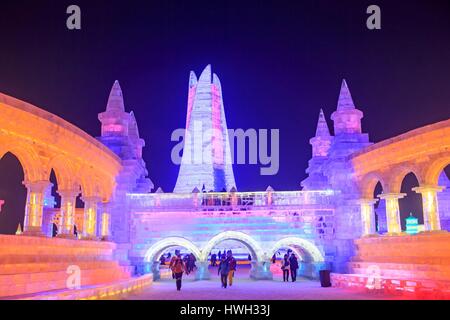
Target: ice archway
column 155, row 251
column 245, row 239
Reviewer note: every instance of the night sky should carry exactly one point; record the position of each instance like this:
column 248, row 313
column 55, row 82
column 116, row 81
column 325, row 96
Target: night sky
column 279, row 63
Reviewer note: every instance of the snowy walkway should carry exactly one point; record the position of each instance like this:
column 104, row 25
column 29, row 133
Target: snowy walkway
column 247, row 289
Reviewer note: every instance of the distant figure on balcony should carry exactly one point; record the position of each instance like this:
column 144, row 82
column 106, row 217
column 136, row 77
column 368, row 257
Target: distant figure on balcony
column 293, row 262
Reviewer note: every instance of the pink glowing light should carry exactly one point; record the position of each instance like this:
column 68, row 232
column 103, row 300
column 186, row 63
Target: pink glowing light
column 216, row 120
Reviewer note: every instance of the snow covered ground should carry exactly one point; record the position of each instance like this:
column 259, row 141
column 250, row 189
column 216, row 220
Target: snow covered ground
column 247, row 289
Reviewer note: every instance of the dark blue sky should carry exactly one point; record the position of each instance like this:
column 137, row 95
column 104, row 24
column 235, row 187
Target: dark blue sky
column 279, row 63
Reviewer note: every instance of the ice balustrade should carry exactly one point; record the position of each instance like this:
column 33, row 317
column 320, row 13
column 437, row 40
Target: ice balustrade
column 231, row 200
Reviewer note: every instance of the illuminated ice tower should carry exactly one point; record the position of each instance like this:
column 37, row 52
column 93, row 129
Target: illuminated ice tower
column 206, row 162
column 348, row 139
column 321, row 144
column 120, row 134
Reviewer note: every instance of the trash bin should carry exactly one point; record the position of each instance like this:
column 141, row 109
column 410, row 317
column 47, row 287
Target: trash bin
column 325, row 279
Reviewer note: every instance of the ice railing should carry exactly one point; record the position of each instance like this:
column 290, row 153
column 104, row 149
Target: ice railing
column 231, row 200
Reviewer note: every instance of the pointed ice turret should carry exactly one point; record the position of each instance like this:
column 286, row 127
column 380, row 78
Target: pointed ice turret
column 159, row 190
column 133, row 132
column 205, row 77
column 19, row 230
column 322, row 126
column 115, row 120
column 321, row 145
column 345, row 100
column 192, row 80
column 115, row 101
column 133, row 128
column 322, row 141
column 347, row 119
column 216, row 81
column 206, row 157
column 196, row 190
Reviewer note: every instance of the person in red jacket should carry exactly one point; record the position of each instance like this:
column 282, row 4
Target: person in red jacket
column 177, row 266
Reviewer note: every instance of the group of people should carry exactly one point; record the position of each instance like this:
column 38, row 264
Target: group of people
column 226, row 270
column 227, row 266
column 189, row 261
column 290, row 263
column 220, row 255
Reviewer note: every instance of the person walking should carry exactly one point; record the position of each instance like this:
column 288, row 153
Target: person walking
column 224, row 269
column 54, row 230
column 213, row 260
column 285, row 267
column 232, row 265
column 162, row 260
column 293, row 263
column 187, row 264
column 172, row 261
column 178, row 267
column 192, row 261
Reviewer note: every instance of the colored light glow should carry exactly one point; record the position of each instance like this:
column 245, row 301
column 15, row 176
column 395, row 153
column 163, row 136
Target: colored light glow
column 431, row 215
column 105, row 225
column 430, row 206
column 33, row 209
column 368, row 216
column 217, row 132
column 412, row 225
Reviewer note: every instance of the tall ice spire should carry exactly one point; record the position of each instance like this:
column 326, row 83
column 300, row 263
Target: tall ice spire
column 206, row 160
